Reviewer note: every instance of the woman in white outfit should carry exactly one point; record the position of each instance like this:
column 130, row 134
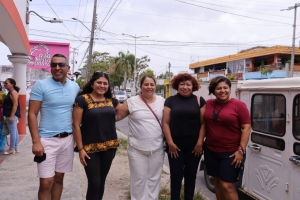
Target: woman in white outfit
column 145, row 140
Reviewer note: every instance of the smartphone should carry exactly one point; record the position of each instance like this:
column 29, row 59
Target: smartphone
column 39, row 159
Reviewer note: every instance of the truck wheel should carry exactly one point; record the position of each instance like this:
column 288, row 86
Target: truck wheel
column 209, row 181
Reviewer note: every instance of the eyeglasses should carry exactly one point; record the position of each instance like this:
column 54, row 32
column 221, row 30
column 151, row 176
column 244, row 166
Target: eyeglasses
column 60, row 64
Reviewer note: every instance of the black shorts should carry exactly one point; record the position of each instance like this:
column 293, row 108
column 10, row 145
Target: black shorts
column 219, row 165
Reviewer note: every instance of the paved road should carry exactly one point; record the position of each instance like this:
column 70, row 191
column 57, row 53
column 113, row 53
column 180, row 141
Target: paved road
column 200, row 183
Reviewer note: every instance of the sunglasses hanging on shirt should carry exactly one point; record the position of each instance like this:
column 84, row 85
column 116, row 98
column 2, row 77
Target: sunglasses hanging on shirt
column 216, row 114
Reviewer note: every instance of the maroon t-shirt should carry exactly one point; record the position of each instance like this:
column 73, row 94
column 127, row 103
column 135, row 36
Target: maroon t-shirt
column 224, row 133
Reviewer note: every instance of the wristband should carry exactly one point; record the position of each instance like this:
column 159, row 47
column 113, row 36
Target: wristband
column 80, row 149
column 240, row 149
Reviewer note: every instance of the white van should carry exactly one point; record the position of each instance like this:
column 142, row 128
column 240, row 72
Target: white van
column 272, row 167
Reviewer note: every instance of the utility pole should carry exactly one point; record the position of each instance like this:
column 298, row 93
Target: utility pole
column 134, row 67
column 88, row 70
column 293, row 41
column 74, row 51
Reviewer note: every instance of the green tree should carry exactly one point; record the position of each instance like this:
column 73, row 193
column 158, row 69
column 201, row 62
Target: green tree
column 100, row 62
column 165, row 75
column 115, row 79
column 80, row 82
column 124, row 63
column 141, row 64
column 147, row 72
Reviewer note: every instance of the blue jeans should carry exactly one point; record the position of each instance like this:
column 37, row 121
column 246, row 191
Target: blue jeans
column 13, row 131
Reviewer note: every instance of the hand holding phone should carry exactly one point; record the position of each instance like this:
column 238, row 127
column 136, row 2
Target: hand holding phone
column 39, row 159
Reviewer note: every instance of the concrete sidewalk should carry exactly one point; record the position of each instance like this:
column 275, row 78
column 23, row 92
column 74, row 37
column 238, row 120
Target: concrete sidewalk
column 19, row 181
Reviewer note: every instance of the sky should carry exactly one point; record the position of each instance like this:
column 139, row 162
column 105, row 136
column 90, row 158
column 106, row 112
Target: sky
column 179, row 32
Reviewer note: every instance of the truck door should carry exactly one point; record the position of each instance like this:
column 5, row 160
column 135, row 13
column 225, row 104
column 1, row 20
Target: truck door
column 267, row 151
column 294, row 147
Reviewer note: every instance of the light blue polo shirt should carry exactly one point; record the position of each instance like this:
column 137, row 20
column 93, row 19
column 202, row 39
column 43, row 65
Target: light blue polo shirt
column 57, row 105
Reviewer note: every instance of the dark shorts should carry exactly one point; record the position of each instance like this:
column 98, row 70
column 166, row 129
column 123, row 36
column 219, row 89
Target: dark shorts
column 219, row 165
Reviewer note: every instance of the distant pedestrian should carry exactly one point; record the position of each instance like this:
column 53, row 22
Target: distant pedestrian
column 184, row 130
column 11, row 110
column 95, row 131
column 2, row 137
column 53, row 98
column 145, row 140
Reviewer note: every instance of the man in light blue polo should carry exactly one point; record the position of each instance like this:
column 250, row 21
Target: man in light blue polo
column 53, row 98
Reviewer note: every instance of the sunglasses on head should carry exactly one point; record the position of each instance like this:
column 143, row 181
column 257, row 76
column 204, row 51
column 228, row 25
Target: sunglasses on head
column 60, row 64
column 97, row 73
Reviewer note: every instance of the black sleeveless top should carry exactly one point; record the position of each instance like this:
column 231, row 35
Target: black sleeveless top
column 8, row 105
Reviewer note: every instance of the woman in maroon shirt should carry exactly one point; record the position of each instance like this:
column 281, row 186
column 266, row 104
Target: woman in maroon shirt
column 227, row 123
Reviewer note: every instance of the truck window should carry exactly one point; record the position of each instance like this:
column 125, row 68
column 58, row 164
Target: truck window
column 268, row 113
column 296, row 117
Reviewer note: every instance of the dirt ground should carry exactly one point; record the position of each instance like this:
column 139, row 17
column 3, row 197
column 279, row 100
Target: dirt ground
column 118, row 179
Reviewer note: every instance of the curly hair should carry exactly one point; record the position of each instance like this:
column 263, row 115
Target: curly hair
column 185, row 77
column 87, row 88
column 215, row 81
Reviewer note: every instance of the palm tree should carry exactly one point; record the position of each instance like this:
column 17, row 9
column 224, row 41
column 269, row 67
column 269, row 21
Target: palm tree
column 124, row 63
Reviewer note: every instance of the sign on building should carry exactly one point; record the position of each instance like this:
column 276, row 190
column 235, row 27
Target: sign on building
column 41, row 53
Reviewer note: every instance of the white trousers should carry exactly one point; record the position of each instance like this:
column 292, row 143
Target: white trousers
column 145, row 173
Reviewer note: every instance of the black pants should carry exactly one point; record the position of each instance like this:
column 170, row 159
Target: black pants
column 186, row 165
column 96, row 171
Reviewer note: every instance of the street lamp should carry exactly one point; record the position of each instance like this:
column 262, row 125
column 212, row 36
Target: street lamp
column 81, row 23
column 294, row 32
column 134, row 69
column 54, row 20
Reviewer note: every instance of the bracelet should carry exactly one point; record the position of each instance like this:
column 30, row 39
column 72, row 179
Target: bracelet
column 80, row 149
column 240, row 149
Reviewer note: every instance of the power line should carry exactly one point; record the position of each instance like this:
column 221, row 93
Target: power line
column 77, row 16
column 235, row 3
column 107, row 13
column 231, row 13
column 183, row 18
column 240, row 9
column 83, row 18
column 59, row 18
column 55, row 37
column 180, row 43
column 150, row 52
column 101, row 27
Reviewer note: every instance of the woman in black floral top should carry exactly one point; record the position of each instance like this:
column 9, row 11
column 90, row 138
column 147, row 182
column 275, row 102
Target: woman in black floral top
column 95, row 131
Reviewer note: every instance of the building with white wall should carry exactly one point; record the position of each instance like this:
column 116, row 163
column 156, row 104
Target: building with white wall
column 15, row 37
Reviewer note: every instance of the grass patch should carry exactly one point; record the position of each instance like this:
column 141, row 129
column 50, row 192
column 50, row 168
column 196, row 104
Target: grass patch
column 123, row 143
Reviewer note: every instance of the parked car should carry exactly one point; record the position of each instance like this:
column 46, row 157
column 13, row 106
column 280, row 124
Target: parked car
column 128, row 92
column 121, row 96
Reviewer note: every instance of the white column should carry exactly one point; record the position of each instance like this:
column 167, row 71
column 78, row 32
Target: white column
column 19, row 63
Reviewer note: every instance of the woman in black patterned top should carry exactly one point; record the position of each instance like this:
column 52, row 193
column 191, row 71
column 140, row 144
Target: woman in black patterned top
column 95, row 131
